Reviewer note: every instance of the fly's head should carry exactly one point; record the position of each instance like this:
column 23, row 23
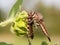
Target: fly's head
column 35, row 16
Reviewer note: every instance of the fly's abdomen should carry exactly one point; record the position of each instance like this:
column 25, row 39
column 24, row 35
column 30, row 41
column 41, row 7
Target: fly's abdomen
column 30, row 33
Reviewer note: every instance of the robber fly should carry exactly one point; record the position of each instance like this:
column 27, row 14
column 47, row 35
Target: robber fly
column 36, row 17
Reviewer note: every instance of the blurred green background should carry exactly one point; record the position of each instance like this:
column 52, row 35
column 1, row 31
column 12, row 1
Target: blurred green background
column 52, row 20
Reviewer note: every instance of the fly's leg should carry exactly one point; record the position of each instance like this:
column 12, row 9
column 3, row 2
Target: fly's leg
column 29, row 42
column 39, row 19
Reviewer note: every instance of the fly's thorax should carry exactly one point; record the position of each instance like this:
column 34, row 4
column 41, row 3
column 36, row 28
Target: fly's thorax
column 37, row 17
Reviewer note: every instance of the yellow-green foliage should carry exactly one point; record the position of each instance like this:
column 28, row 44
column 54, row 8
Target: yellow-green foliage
column 19, row 25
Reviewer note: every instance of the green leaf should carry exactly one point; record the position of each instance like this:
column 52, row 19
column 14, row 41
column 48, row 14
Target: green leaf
column 44, row 43
column 23, row 28
column 3, row 43
column 6, row 22
column 15, row 8
column 19, row 25
column 55, row 44
column 18, row 33
column 22, row 15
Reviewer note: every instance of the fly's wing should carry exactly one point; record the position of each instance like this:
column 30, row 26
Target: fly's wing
column 43, row 27
column 44, row 30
